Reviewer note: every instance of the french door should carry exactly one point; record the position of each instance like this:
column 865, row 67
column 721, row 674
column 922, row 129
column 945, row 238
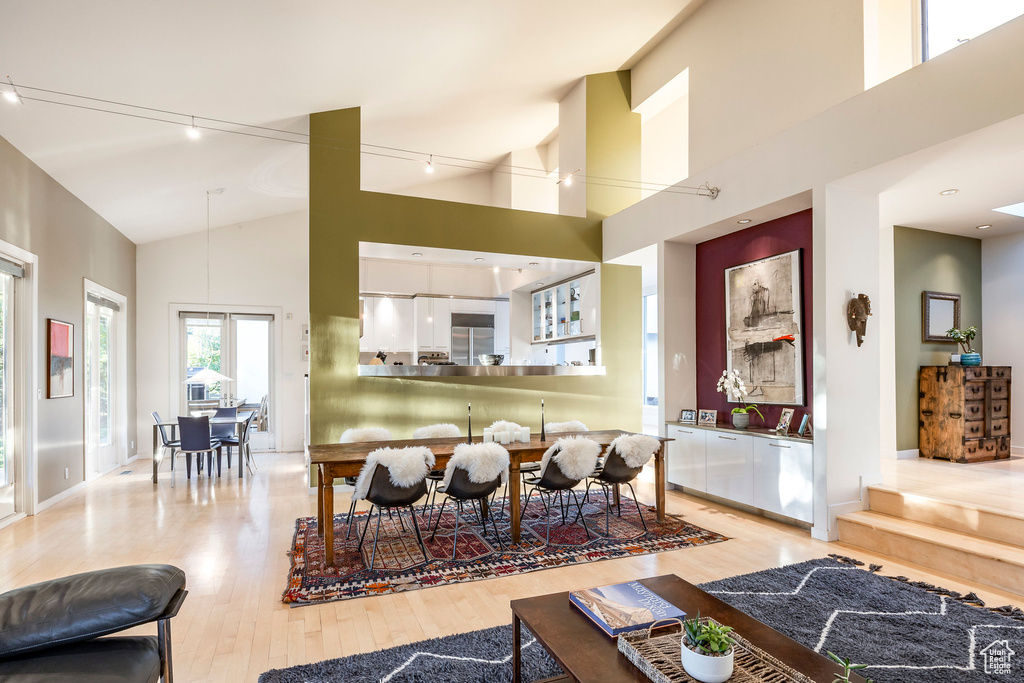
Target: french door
column 9, row 474
column 102, row 385
column 239, row 346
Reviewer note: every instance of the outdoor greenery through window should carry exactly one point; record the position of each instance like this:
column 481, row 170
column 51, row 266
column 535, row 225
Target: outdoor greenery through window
column 948, row 23
column 203, row 350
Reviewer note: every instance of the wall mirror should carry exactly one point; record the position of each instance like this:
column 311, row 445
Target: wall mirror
column 940, row 313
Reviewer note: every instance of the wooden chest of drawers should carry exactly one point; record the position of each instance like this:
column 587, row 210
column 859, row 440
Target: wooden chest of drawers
column 965, row 413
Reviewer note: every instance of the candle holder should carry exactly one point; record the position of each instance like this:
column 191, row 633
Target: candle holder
column 469, row 417
column 542, row 437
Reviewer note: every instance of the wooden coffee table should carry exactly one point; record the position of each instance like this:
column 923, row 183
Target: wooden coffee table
column 586, row 654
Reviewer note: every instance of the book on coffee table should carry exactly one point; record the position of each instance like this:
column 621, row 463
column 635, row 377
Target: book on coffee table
column 624, row 607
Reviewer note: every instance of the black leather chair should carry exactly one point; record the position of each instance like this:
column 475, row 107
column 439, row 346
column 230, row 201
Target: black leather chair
column 166, row 441
column 232, row 439
column 50, row 631
column 552, row 480
column 225, row 432
column 461, row 489
column 383, row 495
column 196, row 440
column 615, row 473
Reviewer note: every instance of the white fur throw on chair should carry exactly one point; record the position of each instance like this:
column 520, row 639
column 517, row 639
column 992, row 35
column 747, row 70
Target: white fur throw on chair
column 364, row 435
column 505, row 426
column 576, row 456
column 635, row 449
column 407, row 466
column 570, row 426
column 438, row 431
column 482, row 461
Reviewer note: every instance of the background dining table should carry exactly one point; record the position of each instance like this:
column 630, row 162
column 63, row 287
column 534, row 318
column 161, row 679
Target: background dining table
column 238, row 420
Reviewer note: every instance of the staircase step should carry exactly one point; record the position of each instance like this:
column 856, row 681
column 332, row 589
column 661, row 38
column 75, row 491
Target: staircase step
column 976, row 560
column 974, row 520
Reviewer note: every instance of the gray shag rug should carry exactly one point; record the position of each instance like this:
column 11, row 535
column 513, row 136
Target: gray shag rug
column 907, row 632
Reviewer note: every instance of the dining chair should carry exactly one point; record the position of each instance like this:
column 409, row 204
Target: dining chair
column 241, row 442
column 624, row 460
column 526, row 468
column 227, row 434
column 165, row 442
column 473, row 473
column 196, row 440
column 568, row 462
column 572, row 426
column 360, row 435
column 436, row 431
column 393, row 479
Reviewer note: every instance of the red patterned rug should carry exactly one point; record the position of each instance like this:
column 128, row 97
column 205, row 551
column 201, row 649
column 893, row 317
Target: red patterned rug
column 400, row 566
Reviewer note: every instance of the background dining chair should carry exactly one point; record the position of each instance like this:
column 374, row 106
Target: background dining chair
column 393, row 479
column 474, row 472
column 572, row 426
column 625, row 459
column 241, row 442
column 438, row 431
column 226, row 433
column 165, row 441
column 360, row 435
column 568, row 462
column 526, row 469
column 196, row 440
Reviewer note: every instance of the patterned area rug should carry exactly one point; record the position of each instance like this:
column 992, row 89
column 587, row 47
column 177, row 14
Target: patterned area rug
column 400, row 566
column 906, row 632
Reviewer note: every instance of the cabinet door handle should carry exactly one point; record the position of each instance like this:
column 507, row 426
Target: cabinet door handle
column 779, row 445
column 683, row 431
column 728, row 438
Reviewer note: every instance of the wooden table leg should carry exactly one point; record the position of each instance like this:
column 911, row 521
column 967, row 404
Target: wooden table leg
column 517, row 650
column 328, row 486
column 319, row 501
column 514, row 482
column 659, row 482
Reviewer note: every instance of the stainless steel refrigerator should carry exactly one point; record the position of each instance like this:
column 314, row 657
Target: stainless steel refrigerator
column 472, row 335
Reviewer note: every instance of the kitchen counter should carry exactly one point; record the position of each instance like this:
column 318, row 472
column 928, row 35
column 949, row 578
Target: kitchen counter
column 752, row 431
column 413, row 371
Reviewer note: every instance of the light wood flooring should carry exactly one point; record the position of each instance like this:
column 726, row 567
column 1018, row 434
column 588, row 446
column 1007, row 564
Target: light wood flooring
column 996, row 484
column 231, row 537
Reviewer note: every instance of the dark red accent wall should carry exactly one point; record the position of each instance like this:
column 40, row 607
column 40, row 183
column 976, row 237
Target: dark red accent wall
column 713, row 257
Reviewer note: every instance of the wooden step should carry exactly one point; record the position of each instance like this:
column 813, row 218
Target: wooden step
column 967, row 518
column 975, row 560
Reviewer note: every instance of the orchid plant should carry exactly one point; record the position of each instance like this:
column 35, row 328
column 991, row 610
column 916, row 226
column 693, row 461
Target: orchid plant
column 732, row 385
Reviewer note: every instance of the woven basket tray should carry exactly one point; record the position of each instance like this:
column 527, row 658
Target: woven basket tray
column 658, row 657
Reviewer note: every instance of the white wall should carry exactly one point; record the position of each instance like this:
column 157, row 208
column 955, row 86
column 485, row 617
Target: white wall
column 468, row 188
column 1002, row 280
column 572, row 149
column 664, row 146
column 261, row 263
column 385, row 276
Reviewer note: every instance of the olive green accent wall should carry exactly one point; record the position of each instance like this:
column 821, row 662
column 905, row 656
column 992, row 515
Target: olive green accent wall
column 341, row 215
column 613, row 144
column 929, row 261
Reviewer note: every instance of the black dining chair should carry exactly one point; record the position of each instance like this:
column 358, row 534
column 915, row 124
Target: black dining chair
column 165, row 441
column 385, row 495
column 563, row 467
column 617, row 471
column 196, row 440
column 243, row 445
column 461, row 485
column 226, row 433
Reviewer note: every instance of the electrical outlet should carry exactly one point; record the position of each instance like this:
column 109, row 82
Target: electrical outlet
column 67, row 473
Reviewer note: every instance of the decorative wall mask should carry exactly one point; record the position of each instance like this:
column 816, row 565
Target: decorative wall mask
column 857, row 313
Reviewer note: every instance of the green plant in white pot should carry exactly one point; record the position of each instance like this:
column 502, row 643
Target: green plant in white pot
column 707, row 650
column 732, row 385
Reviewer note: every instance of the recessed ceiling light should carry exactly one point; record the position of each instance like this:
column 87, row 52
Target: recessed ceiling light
column 478, row 259
column 743, row 221
column 540, row 284
column 946, row 193
column 417, row 254
column 984, row 227
column 534, row 263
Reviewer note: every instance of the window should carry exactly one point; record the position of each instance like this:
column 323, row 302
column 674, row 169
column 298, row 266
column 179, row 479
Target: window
column 651, row 350
column 947, row 23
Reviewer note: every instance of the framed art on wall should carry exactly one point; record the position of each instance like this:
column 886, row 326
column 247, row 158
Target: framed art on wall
column 60, row 350
column 764, row 339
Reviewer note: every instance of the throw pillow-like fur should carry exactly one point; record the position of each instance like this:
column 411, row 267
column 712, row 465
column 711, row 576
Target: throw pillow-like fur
column 576, row 456
column 505, row 426
column 482, row 462
column 438, row 431
column 406, row 466
column 365, row 434
column 636, row 449
column 562, row 427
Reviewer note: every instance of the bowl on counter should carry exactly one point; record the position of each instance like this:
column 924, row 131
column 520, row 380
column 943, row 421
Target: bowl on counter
column 490, row 359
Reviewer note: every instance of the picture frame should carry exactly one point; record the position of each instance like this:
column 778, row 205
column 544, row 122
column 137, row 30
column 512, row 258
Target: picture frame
column 940, row 311
column 805, row 426
column 784, row 419
column 708, row 418
column 688, row 416
column 60, row 353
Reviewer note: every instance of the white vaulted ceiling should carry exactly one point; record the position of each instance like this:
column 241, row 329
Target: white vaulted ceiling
column 462, row 78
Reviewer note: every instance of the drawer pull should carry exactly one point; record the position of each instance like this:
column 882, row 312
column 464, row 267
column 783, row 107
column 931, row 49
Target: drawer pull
column 927, row 413
column 779, row 445
column 683, row 431
column 956, row 416
column 728, row 438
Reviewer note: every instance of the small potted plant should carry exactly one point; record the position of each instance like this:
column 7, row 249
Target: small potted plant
column 732, row 386
column 848, row 668
column 707, row 650
column 964, row 338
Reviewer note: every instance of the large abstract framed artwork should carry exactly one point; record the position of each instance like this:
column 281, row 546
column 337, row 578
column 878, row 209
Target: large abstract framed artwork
column 763, row 335
column 60, row 347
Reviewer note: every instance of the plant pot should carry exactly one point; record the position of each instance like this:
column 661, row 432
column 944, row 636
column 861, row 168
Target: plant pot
column 970, row 359
column 706, row 668
column 741, row 420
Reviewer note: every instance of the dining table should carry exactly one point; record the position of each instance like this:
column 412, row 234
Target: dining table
column 238, row 421
column 337, row 460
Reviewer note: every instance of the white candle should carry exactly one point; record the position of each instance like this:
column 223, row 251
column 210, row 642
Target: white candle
column 516, row 435
column 505, row 438
column 488, row 436
column 525, row 434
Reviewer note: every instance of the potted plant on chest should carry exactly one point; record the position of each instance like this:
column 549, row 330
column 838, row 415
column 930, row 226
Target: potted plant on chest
column 964, row 338
column 732, row 386
column 707, row 650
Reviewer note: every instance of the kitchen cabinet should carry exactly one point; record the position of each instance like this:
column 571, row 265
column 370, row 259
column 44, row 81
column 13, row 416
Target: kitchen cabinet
column 472, row 305
column 442, row 325
column 403, row 326
column 784, row 478
column 687, row 457
column 730, row 466
column 366, row 339
column 502, row 333
column 383, row 324
column 565, row 310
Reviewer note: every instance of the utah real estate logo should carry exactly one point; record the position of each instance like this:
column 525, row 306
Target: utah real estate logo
column 997, row 657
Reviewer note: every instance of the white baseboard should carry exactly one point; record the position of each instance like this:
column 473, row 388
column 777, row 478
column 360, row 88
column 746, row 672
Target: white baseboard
column 53, row 500
column 1016, row 450
column 831, row 532
column 910, row 454
column 132, row 459
column 7, row 521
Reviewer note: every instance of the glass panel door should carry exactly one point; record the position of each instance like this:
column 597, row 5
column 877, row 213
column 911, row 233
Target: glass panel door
column 575, row 324
column 549, row 314
column 204, row 348
column 538, row 316
column 8, row 473
column 562, row 296
column 101, row 431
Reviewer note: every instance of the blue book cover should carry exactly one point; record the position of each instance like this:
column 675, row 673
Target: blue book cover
column 624, row 607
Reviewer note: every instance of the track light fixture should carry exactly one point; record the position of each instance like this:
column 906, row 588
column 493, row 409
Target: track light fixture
column 567, row 180
column 12, row 95
column 430, row 164
column 193, row 132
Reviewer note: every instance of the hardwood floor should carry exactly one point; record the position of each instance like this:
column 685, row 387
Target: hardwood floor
column 996, row 484
column 231, row 537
